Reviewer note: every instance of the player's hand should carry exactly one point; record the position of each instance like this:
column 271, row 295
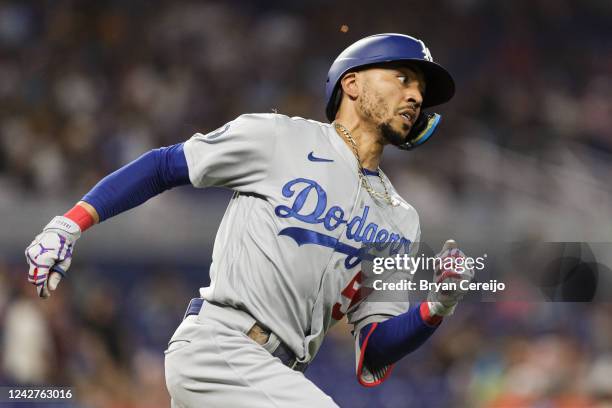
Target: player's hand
column 50, row 254
column 443, row 302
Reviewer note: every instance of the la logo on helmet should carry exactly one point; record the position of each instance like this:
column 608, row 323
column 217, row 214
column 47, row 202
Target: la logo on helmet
column 426, row 54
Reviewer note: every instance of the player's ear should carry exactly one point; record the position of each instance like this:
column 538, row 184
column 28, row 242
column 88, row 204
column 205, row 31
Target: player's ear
column 350, row 85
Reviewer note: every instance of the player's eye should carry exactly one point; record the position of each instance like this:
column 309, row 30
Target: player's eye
column 405, row 79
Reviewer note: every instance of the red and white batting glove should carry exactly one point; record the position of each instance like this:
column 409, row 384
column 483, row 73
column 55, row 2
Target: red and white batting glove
column 444, row 302
column 50, row 254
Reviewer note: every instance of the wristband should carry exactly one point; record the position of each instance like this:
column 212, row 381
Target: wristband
column 429, row 318
column 81, row 217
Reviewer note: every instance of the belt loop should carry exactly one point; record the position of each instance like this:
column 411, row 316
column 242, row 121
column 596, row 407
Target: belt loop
column 195, row 305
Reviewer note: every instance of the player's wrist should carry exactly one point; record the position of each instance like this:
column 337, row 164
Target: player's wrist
column 65, row 227
column 81, row 216
column 427, row 310
column 442, row 308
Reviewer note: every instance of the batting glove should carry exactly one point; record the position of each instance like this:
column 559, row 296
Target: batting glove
column 50, row 254
column 452, row 270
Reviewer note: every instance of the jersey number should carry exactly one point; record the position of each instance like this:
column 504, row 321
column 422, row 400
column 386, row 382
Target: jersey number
column 352, row 294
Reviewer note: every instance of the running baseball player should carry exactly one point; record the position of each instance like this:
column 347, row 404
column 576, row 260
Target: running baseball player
column 286, row 263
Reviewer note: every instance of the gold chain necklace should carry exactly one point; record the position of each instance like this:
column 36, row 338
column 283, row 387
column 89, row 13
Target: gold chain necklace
column 360, row 172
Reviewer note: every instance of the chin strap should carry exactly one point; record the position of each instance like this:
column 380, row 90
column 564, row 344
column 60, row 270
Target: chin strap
column 422, row 130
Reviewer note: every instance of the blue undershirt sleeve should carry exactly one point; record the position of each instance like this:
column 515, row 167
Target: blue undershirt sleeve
column 395, row 338
column 152, row 173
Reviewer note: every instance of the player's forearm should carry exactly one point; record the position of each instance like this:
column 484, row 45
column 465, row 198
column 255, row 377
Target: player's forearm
column 393, row 339
column 149, row 175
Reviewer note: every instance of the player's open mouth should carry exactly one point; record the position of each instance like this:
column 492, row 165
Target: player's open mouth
column 406, row 117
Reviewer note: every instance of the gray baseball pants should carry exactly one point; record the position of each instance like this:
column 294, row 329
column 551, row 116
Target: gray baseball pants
column 211, row 362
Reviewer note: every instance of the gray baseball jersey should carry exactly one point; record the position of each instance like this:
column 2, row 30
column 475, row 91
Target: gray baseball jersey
column 287, row 247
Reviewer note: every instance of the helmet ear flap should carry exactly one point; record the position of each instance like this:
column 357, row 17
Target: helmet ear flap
column 422, row 130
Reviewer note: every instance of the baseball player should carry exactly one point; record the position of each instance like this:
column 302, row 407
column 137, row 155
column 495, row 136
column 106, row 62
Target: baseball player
column 286, row 263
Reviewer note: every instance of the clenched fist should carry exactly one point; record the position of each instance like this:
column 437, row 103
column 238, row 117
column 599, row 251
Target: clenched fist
column 443, row 302
column 50, row 254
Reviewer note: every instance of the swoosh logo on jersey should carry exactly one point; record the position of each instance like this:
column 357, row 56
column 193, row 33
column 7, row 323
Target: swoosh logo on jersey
column 312, row 158
column 217, row 133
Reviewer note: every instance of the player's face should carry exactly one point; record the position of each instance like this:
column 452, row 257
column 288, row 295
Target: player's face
column 391, row 100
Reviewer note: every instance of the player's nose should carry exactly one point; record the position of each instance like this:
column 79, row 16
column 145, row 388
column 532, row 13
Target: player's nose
column 413, row 95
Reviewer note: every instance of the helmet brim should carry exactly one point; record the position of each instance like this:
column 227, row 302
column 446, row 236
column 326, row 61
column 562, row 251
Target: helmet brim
column 439, row 84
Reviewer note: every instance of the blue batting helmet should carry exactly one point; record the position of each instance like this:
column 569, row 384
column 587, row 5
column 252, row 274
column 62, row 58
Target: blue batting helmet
column 382, row 48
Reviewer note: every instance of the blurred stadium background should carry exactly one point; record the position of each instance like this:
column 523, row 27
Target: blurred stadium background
column 524, row 153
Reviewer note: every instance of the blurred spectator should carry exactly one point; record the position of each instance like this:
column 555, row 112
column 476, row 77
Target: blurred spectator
column 26, row 350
